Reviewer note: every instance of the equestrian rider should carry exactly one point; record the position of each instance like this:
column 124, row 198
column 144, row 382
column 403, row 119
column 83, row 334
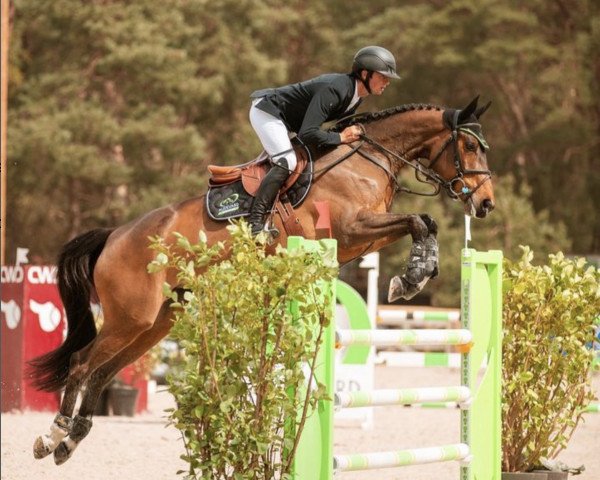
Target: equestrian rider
column 302, row 108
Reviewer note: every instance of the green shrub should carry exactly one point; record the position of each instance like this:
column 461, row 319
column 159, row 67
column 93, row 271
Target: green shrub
column 548, row 317
column 238, row 394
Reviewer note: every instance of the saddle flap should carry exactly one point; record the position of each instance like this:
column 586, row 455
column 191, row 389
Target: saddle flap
column 220, row 175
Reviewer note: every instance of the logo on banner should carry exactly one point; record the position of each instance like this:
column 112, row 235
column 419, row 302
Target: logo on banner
column 11, row 274
column 41, row 275
column 12, row 313
column 48, row 315
column 36, row 274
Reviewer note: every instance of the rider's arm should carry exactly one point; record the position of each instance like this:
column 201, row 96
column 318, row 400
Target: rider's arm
column 323, row 103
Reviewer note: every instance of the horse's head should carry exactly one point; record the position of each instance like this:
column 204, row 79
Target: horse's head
column 447, row 152
column 459, row 163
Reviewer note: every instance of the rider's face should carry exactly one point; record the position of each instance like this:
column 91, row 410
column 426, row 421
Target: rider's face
column 378, row 83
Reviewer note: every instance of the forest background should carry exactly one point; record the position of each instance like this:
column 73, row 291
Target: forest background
column 117, row 107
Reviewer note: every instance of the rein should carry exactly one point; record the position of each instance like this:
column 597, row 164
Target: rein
column 423, row 173
column 431, row 177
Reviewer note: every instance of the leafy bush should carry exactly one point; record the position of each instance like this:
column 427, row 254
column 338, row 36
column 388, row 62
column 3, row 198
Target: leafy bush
column 238, row 394
column 548, row 316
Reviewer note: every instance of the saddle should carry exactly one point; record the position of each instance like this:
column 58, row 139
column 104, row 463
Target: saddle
column 231, row 190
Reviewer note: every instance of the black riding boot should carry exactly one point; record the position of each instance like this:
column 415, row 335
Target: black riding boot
column 264, row 198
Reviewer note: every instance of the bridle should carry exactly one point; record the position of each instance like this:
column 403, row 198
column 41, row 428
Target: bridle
column 426, row 174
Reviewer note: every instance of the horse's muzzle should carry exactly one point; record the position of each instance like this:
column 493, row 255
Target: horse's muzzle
column 485, row 207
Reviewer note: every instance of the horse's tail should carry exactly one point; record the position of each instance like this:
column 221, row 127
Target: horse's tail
column 75, row 279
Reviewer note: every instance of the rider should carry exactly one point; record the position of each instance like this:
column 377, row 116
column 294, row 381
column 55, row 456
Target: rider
column 302, row 108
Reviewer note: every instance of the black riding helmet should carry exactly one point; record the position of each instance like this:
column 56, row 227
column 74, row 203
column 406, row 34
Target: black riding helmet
column 374, row 59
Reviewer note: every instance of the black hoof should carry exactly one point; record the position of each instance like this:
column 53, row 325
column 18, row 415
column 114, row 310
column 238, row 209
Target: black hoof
column 62, row 453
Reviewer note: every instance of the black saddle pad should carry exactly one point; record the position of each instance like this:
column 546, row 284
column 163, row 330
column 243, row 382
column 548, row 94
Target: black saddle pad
column 232, row 201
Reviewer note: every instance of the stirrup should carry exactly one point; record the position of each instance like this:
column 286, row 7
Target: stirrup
column 266, row 227
column 272, row 232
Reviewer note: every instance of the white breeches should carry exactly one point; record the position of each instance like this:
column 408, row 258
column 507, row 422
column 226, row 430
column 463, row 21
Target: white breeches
column 273, row 135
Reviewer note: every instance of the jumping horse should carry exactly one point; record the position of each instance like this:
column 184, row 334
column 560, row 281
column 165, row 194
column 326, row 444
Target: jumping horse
column 446, row 149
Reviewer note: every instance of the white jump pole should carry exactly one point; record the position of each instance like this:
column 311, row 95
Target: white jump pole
column 392, row 338
column 405, row 396
column 399, row 458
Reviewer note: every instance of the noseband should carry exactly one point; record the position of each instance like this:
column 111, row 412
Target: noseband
column 426, row 174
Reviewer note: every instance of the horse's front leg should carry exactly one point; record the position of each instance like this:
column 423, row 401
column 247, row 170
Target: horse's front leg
column 423, row 260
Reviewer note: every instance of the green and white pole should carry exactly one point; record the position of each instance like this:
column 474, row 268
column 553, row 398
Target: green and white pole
column 404, row 396
column 400, row 458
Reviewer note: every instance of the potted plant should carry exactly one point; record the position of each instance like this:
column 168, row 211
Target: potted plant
column 548, row 317
column 123, row 392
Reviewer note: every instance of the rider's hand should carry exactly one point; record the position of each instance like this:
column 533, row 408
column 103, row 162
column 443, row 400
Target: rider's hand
column 351, row 134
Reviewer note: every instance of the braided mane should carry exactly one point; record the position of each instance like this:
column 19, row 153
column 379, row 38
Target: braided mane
column 373, row 116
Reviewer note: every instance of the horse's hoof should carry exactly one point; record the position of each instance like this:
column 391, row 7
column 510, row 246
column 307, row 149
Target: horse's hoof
column 402, row 288
column 396, row 289
column 63, row 452
column 79, row 429
column 41, row 449
column 44, row 445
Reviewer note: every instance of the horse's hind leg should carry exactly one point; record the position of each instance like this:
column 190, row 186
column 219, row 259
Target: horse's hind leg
column 63, row 422
column 100, row 378
column 111, row 341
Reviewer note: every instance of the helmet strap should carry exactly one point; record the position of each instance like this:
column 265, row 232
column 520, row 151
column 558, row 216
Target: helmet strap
column 367, row 81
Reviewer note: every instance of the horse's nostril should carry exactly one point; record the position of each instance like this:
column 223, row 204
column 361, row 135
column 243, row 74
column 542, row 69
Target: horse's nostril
column 488, row 205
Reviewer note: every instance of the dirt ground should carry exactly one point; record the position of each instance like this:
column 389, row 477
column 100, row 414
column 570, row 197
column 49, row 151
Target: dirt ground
column 143, row 448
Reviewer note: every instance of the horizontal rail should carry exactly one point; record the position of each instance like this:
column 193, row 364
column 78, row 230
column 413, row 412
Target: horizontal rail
column 392, row 315
column 434, row 405
column 405, row 396
column 390, row 338
column 400, row 458
column 419, row 359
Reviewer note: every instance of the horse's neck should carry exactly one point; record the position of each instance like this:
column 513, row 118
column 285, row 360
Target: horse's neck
column 408, row 133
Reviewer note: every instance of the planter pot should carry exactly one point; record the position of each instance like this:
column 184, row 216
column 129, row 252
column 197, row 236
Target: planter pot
column 535, row 475
column 554, row 475
column 524, row 476
column 123, row 399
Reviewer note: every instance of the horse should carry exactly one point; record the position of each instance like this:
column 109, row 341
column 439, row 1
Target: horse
column 446, row 149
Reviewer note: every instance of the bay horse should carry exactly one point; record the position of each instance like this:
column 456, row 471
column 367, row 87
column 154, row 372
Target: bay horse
column 446, row 149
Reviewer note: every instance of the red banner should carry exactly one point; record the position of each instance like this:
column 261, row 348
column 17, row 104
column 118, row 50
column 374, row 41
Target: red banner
column 33, row 323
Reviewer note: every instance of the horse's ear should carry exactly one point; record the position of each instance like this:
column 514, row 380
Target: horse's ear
column 481, row 110
column 469, row 110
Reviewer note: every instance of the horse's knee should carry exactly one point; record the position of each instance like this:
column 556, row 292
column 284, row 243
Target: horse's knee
column 418, row 228
column 430, row 223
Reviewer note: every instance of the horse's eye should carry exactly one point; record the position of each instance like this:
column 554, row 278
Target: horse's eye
column 471, row 146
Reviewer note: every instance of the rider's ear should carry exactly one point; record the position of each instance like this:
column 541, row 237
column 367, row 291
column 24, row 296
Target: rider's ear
column 481, row 110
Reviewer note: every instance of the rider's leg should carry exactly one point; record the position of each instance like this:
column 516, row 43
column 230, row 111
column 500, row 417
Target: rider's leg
column 265, row 196
column 274, row 137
